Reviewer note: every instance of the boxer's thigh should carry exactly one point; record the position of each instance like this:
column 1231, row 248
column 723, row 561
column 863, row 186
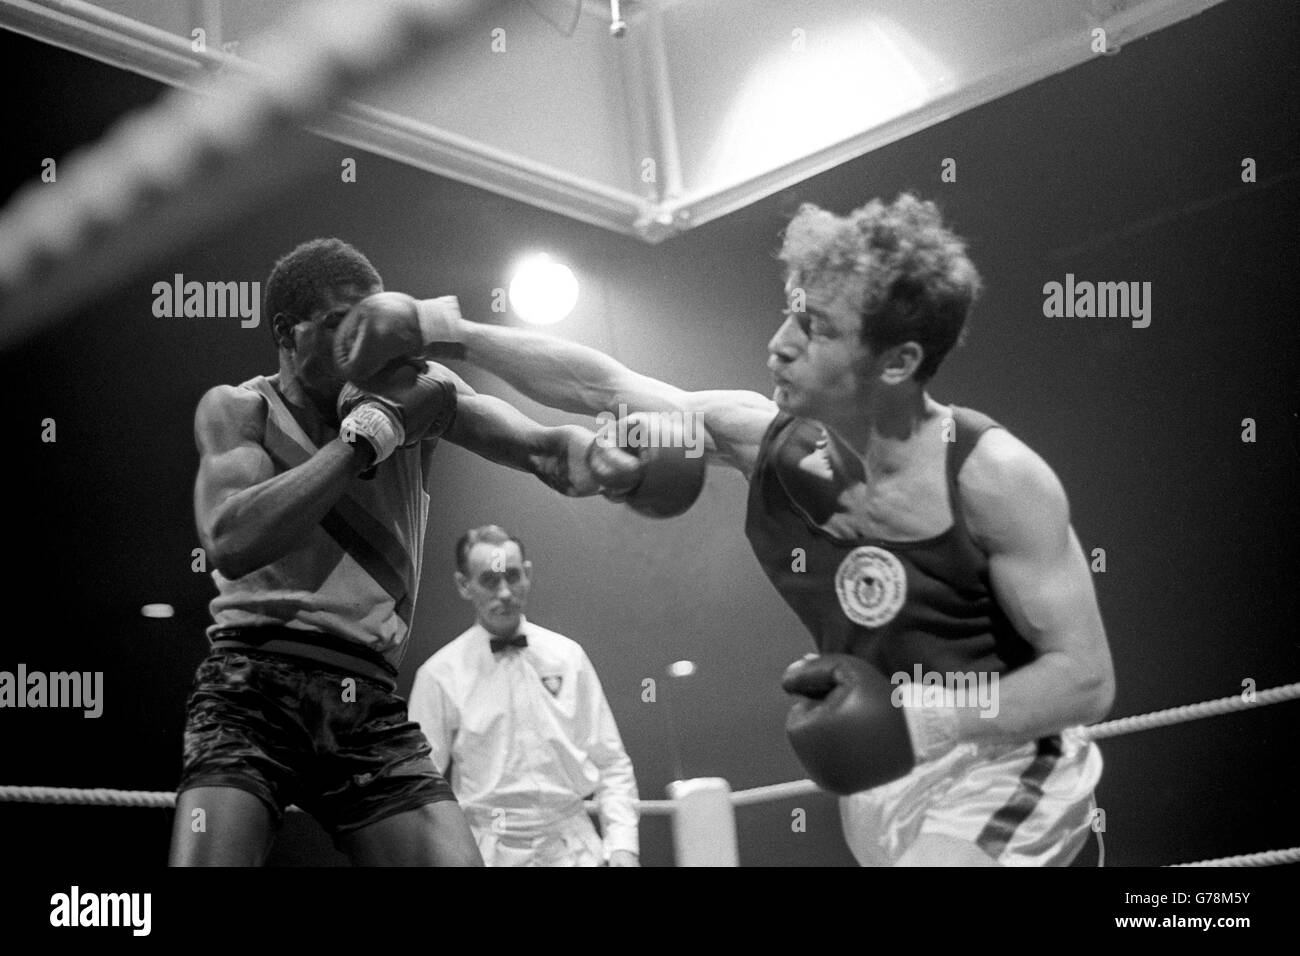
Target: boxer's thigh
column 936, row 849
column 881, row 824
column 242, row 737
column 221, row 826
column 435, row 834
column 373, row 786
column 1021, row 806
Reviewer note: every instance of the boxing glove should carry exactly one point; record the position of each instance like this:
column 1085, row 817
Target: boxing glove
column 669, row 479
column 852, row 732
column 391, row 328
column 404, row 406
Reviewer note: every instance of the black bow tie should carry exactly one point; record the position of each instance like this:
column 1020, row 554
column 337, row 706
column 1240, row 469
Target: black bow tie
column 501, row 643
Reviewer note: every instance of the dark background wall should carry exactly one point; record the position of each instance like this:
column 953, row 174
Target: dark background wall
column 1124, row 169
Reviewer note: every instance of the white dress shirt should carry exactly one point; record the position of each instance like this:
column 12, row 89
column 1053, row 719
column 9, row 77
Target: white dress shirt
column 528, row 734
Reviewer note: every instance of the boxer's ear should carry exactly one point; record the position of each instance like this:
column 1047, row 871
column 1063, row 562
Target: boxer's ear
column 901, row 362
column 282, row 325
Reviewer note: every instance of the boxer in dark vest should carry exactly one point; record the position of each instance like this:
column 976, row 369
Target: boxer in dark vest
column 927, row 549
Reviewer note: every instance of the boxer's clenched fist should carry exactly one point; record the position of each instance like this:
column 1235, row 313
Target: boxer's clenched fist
column 599, row 468
column 615, row 471
column 576, row 465
column 667, row 478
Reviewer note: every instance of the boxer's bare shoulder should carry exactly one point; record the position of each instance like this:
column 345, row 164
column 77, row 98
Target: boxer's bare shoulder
column 1004, row 481
column 229, row 427
column 229, row 414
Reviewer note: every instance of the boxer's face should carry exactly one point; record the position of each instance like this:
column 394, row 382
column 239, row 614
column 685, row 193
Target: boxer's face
column 312, row 357
column 818, row 361
column 497, row 584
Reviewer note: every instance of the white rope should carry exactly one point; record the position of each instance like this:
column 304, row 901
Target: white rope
column 1267, row 858
column 1179, row 715
column 776, row 791
column 655, row 808
column 162, row 799
column 104, row 797
column 98, row 797
column 773, row 792
column 190, row 163
column 95, row 797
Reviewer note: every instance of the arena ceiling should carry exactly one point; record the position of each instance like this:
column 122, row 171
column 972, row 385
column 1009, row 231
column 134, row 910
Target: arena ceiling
column 699, row 108
column 702, row 107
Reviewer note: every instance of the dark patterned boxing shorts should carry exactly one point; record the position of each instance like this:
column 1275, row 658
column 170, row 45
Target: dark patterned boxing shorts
column 340, row 746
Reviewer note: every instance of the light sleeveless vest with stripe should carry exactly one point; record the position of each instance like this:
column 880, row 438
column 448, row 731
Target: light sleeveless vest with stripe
column 355, row 574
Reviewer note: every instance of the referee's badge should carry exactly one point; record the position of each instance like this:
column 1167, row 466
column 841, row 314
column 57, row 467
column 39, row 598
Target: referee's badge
column 553, row 684
column 871, row 585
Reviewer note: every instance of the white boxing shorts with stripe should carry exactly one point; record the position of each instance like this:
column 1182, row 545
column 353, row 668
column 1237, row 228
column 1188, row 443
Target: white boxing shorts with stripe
column 1022, row 804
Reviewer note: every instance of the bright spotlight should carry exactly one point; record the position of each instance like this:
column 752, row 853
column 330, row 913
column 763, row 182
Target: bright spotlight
column 543, row 290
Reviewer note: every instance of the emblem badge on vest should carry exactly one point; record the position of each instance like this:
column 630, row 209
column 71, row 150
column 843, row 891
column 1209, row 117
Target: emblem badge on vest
column 871, row 585
column 553, row 684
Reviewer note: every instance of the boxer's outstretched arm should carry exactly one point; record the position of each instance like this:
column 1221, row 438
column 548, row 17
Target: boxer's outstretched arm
column 499, row 432
column 1018, row 512
column 247, row 515
column 575, row 378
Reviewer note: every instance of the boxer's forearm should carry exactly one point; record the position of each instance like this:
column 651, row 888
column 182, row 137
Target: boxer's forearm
column 499, row 432
column 258, row 525
column 1040, row 699
column 560, row 374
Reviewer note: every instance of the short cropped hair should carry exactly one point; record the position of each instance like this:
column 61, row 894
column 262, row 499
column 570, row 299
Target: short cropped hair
column 487, row 534
column 918, row 283
column 299, row 278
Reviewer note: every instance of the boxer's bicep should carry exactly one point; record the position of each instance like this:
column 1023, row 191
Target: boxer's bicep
column 1019, row 513
column 228, row 429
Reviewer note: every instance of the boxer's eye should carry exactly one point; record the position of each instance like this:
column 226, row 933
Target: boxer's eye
column 801, row 319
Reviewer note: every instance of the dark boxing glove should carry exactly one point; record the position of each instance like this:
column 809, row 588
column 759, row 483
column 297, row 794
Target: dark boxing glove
column 392, row 327
column 853, row 730
column 671, row 473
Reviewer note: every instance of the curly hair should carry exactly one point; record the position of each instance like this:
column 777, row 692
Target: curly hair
column 917, row 283
column 299, row 278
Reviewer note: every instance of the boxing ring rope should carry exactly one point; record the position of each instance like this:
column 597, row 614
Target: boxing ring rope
column 1267, row 858
column 1178, row 715
column 703, row 809
column 193, row 162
